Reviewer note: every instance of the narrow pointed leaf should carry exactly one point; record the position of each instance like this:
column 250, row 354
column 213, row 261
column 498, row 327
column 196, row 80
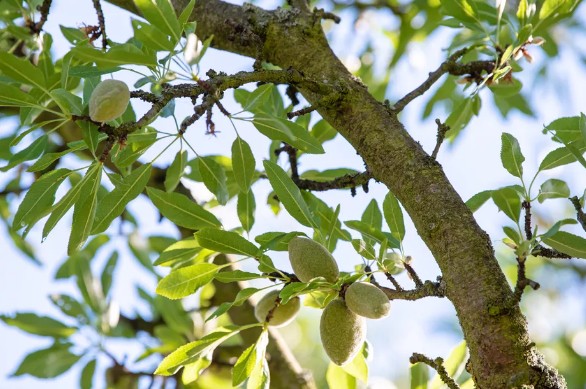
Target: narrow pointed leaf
column 245, row 208
column 114, row 203
column 214, row 178
column 39, row 198
column 507, row 200
column 226, row 242
column 175, row 171
column 511, row 155
column 22, row 70
column 568, row 244
column 48, row 363
column 84, row 210
column 187, row 280
column 394, row 216
column 289, row 194
column 181, row 210
column 277, row 128
column 243, row 164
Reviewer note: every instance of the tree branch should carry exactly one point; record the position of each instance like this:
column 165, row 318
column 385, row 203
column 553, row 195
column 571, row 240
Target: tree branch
column 580, row 215
column 437, row 365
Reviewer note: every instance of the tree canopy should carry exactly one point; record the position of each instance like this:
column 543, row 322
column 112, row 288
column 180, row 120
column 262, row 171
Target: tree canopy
column 212, row 153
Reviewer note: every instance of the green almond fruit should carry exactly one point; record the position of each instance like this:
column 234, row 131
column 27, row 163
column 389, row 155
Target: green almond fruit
column 342, row 332
column 310, row 259
column 367, row 300
column 282, row 315
column 108, row 100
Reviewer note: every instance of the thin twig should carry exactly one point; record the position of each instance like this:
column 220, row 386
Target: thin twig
column 442, row 129
column 580, row 215
column 101, row 22
column 522, row 281
column 37, row 27
column 413, row 275
column 437, row 365
column 433, row 77
column 527, row 207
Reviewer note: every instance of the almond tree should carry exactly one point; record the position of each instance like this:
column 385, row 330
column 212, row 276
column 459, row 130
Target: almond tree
column 318, row 98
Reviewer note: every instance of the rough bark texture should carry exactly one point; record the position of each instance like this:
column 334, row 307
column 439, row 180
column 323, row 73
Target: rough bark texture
column 501, row 354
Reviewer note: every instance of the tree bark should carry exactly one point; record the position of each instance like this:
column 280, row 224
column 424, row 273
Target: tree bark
column 501, row 353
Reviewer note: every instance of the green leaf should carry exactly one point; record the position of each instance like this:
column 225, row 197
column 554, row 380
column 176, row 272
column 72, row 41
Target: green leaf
column 358, row 367
column 39, row 198
column 394, row 216
column 277, row 241
column 419, row 376
column 566, row 129
column 181, row 210
column 506, row 87
column 175, row 171
column 364, row 248
column 511, row 155
column 260, row 377
column 214, row 177
column 183, row 250
column 67, row 101
column 463, row 10
column 552, row 189
column 476, row 201
column 243, row 164
column 137, row 144
column 84, row 210
column 244, row 365
column 88, row 71
column 568, row 244
column 48, row 363
column 108, row 273
column 277, row 128
column 22, row 70
column 161, row 14
column 553, row 8
column 372, row 215
column 461, row 116
column 63, row 205
column 256, row 101
column 191, row 351
column 250, row 360
column 38, row 325
column 556, row 227
column 152, row 37
column 113, row 204
column 236, row 275
column 185, row 281
column 337, row 377
column 562, row 156
column 124, row 54
column 323, row 131
column 369, row 232
column 48, row 159
column 186, row 13
column 245, row 208
column 87, row 375
column 507, row 200
column 522, row 12
column 289, row 194
column 11, row 96
column 70, row 307
column 242, row 296
column 226, row 242
column 32, row 151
